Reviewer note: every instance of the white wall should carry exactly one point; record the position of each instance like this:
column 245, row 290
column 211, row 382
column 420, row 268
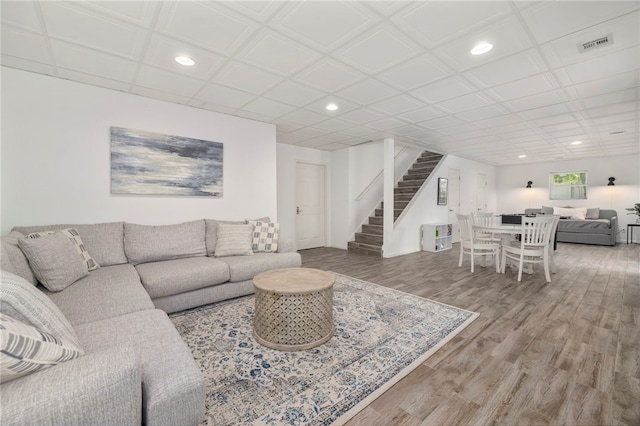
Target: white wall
column 513, row 197
column 287, row 157
column 56, row 156
column 407, row 232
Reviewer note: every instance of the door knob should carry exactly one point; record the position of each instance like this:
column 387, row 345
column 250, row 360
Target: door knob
column 298, row 210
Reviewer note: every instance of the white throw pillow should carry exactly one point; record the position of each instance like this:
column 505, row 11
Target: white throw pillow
column 265, row 236
column 25, row 349
column 571, row 212
column 234, row 240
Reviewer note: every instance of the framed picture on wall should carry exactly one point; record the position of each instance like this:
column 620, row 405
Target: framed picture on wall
column 442, row 191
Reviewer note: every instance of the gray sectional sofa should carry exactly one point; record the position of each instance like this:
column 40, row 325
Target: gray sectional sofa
column 600, row 229
column 135, row 368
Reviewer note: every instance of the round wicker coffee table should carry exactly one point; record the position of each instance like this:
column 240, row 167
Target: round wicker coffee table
column 293, row 308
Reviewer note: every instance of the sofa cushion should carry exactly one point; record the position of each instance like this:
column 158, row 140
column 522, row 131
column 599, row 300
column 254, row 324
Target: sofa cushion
column 146, row 243
column 177, row 276
column 13, row 259
column 105, row 241
column 25, row 349
column 74, row 237
column 234, row 240
column 243, row 268
column 107, row 292
column 172, row 384
column 264, row 237
column 24, row 302
column 212, row 233
column 54, row 260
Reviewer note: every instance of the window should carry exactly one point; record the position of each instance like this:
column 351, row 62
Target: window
column 568, row 186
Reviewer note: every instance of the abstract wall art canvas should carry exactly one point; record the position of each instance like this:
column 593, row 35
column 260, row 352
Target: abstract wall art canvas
column 146, row 163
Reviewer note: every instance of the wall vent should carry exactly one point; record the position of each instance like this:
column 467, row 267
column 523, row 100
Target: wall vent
column 594, row 44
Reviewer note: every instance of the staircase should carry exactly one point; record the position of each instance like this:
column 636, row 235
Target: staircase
column 369, row 241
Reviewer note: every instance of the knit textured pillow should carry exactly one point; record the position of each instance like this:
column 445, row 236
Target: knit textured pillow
column 234, row 240
column 265, row 236
column 74, row 236
column 24, row 349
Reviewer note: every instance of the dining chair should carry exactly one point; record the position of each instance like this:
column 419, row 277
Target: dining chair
column 484, row 219
column 534, row 245
column 472, row 246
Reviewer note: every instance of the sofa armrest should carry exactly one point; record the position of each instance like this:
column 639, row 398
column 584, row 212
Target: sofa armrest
column 100, row 388
column 285, row 246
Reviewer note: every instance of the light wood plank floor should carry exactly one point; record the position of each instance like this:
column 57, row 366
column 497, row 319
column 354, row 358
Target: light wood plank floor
column 565, row 352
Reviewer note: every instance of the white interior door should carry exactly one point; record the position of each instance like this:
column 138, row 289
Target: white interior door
column 310, row 207
column 454, row 201
column 481, row 200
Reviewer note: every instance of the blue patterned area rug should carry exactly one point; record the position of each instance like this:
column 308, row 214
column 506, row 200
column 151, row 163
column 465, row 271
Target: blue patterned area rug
column 381, row 336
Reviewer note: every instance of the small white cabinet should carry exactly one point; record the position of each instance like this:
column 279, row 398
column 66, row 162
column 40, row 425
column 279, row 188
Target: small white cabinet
column 437, row 236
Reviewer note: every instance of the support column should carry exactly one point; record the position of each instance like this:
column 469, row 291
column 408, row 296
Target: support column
column 389, row 181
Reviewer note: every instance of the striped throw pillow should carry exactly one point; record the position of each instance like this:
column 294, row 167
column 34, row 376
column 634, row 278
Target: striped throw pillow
column 24, row 349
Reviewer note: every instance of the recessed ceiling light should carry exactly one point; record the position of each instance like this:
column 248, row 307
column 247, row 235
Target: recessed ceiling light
column 576, row 143
column 482, row 47
column 331, row 107
column 185, row 60
column 522, row 156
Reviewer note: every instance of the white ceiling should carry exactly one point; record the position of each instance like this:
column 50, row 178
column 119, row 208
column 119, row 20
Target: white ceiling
column 396, row 69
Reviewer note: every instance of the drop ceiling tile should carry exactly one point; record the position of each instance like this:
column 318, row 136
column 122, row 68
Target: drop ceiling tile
column 356, row 131
column 526, row 87
column 465, row 103
column 293, row 93
column 407, row 130
column 362, row 115
column 367, row 91
column 335, row 146
column 136, row 12
column 284, row 126
column 259, row 10
column 309, row 132
column 554, row 119
column 95, row 80
column 469, row 130
column 277, row 53
column 385, row 124
column 27, row 65
column 164, row 81
column 625, row 116
column 24, row 45
column 329, row 75
column 355, row 141
column 323, row 25
column 509, row 69
column 244, row 77
column 303, row 117
column 208, row 25
column 444, row 89
column 422, row 114
column 625, row 32
column 65, row 22
column 612, row 109
column 601, row 67
column 89, row 61
column 162, row 52
column 267, row 107
column 159, row 94
column 333, row 125
column 225, row 96
column 20, row 14
column 551, row 20
column 332, row 137
column 557, row 109
column 503, row 122
column 435, row 22
column 397, row 105
column 212, row 107
column 507, row 36
column 483, row 113
column 537, row 101
column 414, row 73
column 617, row 97
column 605, row 85
column 442, row 123
column 253, row 116
column 379, row 49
